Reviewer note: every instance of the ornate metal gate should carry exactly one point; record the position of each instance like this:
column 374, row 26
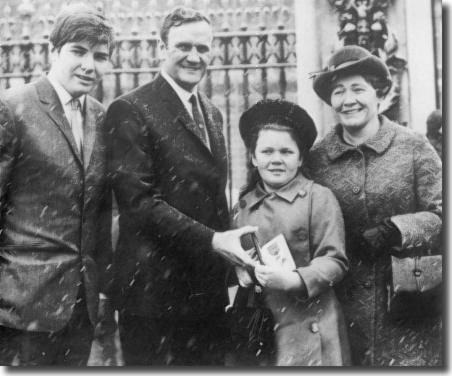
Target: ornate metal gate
column 253, row 55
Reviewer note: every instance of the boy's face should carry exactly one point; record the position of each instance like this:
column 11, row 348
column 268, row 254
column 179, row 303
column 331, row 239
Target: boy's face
column 79, row 66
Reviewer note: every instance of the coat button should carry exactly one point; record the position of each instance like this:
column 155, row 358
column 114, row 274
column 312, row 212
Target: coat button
column 356, row 190
column 242, row 203
column 367, row 285
column 417, row 272
column 314, row 327
column 302, row 193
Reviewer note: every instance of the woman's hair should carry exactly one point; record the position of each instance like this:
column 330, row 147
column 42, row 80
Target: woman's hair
column 380, row 85
column 253, row 177
column 277, row 127
column 77, row 23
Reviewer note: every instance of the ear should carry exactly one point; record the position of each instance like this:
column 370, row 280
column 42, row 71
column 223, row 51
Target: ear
column 51, row 47
column 163, row 50
column 52, row 53
column 253, row 160
column 300, row 161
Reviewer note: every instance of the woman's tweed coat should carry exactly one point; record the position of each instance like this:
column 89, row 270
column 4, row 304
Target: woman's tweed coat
column 395, row 174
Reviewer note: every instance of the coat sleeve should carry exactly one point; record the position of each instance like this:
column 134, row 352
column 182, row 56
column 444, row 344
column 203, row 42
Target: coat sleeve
column 9, row 142
column 135, row 182
column 419, row 229
column 329, row 263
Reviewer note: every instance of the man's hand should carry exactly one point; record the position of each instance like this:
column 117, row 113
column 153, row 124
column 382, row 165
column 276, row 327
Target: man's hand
column 227, row 244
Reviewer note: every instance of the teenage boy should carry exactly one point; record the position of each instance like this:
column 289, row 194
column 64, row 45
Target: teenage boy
column 55, row 230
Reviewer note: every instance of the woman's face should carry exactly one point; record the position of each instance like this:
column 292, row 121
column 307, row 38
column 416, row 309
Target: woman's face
column 277, row 158
column 355, row 101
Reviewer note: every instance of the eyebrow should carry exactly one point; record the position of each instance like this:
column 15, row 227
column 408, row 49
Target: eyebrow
column 335, row 86
column 103, row 54
column 76, row 45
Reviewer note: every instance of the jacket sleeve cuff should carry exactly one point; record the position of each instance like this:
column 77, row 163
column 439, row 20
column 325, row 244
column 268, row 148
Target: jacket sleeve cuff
column 311, row 282
column 206, row 236
column 417, row 229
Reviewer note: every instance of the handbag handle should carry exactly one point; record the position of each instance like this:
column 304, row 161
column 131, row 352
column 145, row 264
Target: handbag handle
column 417, row 272
column 257, row 247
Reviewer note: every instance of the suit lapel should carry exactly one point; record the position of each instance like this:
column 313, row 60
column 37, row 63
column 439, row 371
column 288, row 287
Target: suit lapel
column 52, row 106
column 175, row 106
column 215, row 129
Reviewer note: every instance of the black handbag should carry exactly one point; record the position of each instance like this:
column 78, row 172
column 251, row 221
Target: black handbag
column 414, row 287
column 250, row 321
column 251, row 325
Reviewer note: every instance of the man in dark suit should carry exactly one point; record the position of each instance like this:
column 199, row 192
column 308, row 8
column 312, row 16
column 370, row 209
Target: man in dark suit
column 169, row 168
column 54, row 229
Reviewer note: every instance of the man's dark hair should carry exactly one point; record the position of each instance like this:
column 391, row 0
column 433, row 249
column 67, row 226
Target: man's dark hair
column 77, row 23
column 179, row 16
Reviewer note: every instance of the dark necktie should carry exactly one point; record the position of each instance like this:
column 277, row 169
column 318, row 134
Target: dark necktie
column 198, row 118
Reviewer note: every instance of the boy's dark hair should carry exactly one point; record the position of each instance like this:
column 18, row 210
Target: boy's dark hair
column 79, row 22
column 179, row 16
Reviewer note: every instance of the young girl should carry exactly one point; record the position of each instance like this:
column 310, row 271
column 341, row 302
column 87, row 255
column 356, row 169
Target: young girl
column 307, row 325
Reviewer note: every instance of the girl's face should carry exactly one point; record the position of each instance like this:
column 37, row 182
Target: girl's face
column 277, row 158
column 355, row 101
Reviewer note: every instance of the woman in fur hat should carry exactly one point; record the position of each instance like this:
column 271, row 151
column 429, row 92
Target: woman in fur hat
column 388, row 180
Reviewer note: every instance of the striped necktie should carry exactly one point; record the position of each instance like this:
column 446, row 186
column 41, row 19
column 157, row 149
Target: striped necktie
column 199, row 120
column 76, row 122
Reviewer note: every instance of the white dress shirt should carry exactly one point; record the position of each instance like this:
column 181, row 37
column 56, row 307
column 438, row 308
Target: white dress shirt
column 184, row 96
column 66, row 99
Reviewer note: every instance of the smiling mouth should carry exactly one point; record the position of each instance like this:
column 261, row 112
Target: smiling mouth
column 277, row 171
column 85, row 78
column 351, row 112
column 191, row 68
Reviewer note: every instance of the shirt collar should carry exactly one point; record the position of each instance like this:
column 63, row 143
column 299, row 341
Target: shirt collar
column 296, row 187
column 378, row 142
column 183, row 94
column 62, row 93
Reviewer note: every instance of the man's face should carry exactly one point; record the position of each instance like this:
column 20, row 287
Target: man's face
column 187, row 53
column 79, row 66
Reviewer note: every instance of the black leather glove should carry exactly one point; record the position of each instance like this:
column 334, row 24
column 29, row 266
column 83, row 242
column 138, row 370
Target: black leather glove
column 382, row 237
column 247, row 244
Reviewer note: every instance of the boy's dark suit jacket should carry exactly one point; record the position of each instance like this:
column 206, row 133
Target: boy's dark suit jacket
column 53, row 226
column 170, row 191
